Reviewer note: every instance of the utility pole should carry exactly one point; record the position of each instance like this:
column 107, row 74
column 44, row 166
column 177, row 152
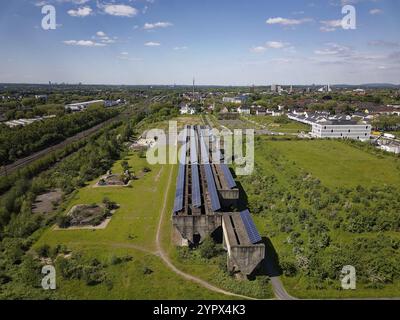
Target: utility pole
column 193, row 89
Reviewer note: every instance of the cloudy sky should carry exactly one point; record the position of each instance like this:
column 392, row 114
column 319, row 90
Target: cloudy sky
column 228, row 42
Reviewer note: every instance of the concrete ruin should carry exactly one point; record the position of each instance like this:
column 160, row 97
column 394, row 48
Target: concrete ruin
column 206, row 193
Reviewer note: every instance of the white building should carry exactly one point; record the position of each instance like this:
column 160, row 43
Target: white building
column 244, row 110
column 336, row 129
column 231, row 100
column 25, row 122
column 186, row 109
column 261, row 111
column 82, row 105
column 391, row 146
column 277, row 113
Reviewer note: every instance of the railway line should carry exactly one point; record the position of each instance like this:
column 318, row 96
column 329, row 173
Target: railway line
column 19, row 164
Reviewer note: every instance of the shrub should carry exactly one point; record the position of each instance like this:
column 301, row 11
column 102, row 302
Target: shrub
column 147, row 271
column 64, row 221
column 208, row 248
column 44, row 251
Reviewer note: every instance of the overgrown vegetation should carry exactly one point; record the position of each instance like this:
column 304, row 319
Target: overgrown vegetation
column 19, row 142
column 20, row 229
column 317, row 229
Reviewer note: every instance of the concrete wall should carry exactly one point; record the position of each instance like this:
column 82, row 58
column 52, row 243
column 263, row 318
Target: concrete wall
column 203, row 225
column 246, row 258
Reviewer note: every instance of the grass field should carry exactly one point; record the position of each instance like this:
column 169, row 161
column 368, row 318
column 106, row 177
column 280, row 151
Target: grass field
column 132, row 231
column 290, row 127
column 337, row 165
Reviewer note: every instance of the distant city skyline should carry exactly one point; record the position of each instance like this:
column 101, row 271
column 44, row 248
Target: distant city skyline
column 238, row 43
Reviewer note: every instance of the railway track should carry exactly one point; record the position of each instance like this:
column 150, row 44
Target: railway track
column 10, row 168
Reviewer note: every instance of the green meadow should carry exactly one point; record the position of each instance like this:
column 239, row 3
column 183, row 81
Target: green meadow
column 131, row 231
column 290, row 127
column 340, row 165
column 343, row 171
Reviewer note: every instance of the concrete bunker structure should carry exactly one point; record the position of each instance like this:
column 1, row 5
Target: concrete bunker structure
column 205, row 195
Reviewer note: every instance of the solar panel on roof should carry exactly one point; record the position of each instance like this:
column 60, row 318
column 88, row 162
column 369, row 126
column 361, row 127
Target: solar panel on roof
column 212, row 190
column 251, row 229
column 204, row 151
column 180, row 187
column 193, row 147
column 182, row 156
column 228, row 176
column 180, row 182
column 196, row 197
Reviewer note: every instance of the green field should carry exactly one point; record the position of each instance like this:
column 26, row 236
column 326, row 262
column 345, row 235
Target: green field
column 291, row 127
column 131, row 231
column 339, row 165
column 277, row 189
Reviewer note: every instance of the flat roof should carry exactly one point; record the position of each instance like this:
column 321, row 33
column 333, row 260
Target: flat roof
column 235, row 230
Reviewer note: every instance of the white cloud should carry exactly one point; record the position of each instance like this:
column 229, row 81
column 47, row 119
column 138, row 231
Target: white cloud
column 40, row 3
column 269, row 45
column 84, row 43
column 104, row 38
column 120, row 10
column 384, row 43
column 181, row 48
column 334, row 49
column 286, row 21
column 375, row 11
column 150, row 26
column 125, row 56
column 152, row 44
column 76, row 1
column 80, row 12
column 258, row 49
column 330, row 25
column 275, row 44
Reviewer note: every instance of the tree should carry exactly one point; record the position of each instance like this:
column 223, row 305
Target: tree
column 125, row 165
column 208, row 248
column 44, row 251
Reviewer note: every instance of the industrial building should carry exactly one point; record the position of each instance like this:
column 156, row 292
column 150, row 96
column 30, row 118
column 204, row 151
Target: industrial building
column 334, row 127
column 80, row 106
column 206, row 194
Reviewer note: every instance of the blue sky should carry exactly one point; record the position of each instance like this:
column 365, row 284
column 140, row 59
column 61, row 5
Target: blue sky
column 227, row 42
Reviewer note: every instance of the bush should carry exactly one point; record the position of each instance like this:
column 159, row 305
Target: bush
column 44, row 251
column 208, row 248
column 147, row 271
column 64, row 221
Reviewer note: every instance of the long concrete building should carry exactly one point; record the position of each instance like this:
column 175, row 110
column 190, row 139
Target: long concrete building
column 206, row 194
column 334, row 127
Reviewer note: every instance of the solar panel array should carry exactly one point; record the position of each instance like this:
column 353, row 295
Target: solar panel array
column 212, row 190
column 180, row 183
column 228, row 176
column 196, row 196
column 193, row 146
column 204, row 150
column 251, row 229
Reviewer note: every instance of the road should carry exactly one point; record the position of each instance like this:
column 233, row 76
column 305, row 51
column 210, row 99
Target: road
column 279, row 290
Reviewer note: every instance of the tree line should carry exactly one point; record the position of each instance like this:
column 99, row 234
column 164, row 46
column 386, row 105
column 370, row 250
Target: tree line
column 16, row 143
